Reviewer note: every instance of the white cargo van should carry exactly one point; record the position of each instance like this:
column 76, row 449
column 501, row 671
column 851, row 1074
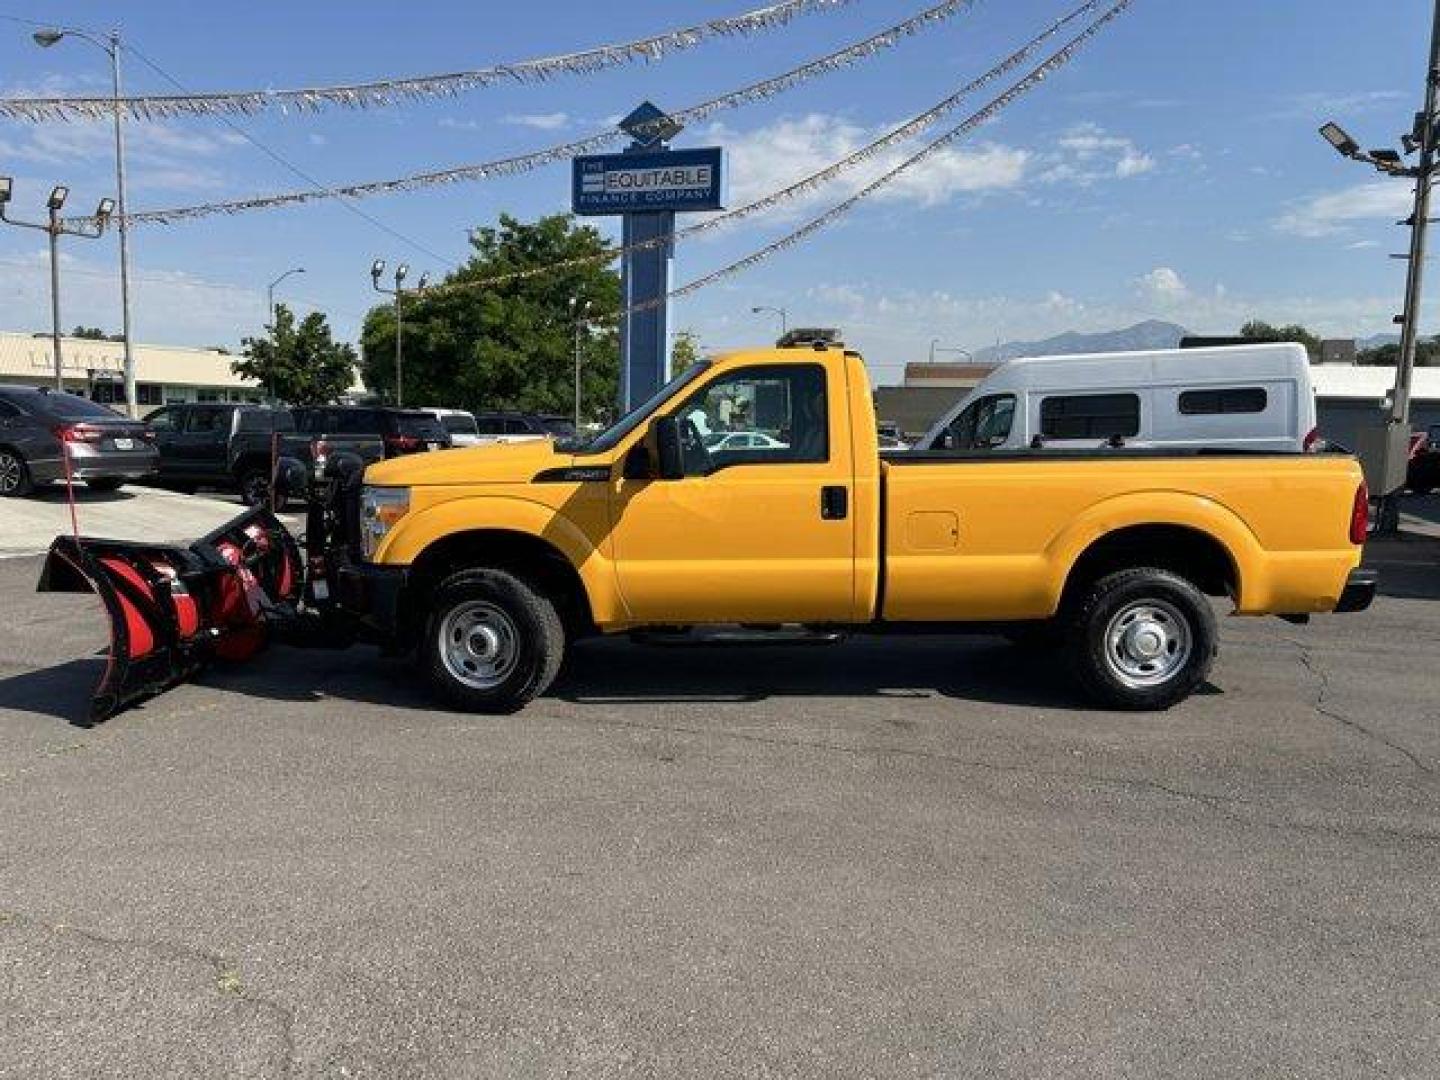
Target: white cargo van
column 1235, row 397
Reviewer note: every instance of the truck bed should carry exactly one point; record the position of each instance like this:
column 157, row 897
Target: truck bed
column 980, row 536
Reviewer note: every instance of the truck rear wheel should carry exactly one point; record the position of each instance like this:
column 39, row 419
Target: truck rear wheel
column 492, row 643
column 1141, row 639
column 254, row 485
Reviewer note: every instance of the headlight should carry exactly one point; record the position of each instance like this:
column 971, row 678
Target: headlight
column 380, row 509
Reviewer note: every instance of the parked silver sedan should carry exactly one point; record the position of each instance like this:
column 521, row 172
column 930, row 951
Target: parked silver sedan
column 41, row 428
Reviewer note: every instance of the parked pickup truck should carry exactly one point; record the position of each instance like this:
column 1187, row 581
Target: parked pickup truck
column 230, row 446
column 488, row 561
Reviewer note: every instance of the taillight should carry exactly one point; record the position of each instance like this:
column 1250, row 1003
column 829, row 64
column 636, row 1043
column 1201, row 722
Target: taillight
column 148, row 435
column 402, row 444
column 85, row 433
column 1360, row 515
column 320, row 450
column 1312, row 440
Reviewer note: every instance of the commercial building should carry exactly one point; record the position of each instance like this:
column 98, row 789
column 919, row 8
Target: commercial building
column 1349, row 398
column 96, row 370
column 928, row 390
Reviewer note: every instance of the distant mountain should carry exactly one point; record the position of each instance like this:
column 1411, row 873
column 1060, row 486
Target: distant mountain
column 1151, row 334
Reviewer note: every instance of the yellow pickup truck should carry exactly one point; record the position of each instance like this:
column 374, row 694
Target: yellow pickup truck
column 747, row 500
column 750, row 493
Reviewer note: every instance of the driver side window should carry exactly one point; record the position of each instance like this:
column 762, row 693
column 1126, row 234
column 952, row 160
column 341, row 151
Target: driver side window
column 776, row 414
column 983, row 424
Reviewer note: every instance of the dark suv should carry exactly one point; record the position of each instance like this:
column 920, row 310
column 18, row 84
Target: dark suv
column 40, row 429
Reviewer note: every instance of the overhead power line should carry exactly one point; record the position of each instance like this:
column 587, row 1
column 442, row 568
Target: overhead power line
column 383, row 92
column 522, row 163
column 294, row 169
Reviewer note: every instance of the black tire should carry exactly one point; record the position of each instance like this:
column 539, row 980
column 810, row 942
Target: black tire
column 107, row 483
column 487, row 602
column 1165, row 614
column 15, row 479
column 254, row 487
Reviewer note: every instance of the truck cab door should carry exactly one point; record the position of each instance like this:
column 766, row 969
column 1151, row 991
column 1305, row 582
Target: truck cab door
column 761, row 530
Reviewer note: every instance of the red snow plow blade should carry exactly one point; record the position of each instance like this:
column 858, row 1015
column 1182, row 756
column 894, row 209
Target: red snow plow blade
column 173, row 608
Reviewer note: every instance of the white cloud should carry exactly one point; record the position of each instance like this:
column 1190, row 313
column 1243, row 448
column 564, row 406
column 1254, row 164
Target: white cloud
column 540, row 121
column 1333, row 213
column 161, row 157
column 1164, row 285
column 1088, row 154
column 766, row 159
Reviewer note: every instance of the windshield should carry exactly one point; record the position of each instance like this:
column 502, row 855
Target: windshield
column 608, row 438
column 459, row 424
column 419, row 426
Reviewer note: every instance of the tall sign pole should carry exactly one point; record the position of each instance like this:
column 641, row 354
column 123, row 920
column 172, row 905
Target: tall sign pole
column 646, row 184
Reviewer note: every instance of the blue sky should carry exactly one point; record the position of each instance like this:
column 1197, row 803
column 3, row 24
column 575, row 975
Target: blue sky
column 1172, row 171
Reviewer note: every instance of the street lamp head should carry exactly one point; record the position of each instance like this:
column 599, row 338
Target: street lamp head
column 104, row 210
column 1337, row 137
column 57, row 197
column 401, row 273
column 377, row 268
column 47, row 37
column 424, row 280
column 6, row 183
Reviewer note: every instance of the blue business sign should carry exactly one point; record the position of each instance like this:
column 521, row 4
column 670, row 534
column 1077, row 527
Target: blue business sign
column 639, row 183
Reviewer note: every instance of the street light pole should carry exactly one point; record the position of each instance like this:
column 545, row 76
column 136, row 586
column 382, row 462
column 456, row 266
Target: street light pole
column 1415, row 272
column 55, row 227
column 1424, row 137
column 934, row 342
column 401, row 272
column 784, row 317
column 111, row 45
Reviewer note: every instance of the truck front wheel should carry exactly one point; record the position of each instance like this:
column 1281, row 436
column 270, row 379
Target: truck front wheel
column 1141, row 639
column 492, row 643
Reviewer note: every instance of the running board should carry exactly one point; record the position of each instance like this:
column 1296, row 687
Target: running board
column 737, row 635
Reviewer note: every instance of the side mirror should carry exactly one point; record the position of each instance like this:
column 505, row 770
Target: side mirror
column 637, row 463
column 670, row 454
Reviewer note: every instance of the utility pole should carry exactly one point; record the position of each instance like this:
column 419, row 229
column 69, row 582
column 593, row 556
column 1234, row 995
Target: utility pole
column 111, row 46
column 398, row 292
column 55, row 227
column 579, row 309
column 784, row 316
column 1414, row 279
column 1425, row 138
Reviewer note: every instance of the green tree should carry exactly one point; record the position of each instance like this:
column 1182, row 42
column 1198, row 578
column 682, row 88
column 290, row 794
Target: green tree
column 94, row 333
column 509, row 345
column 301, row 364
column 684, row 351
column 1257, row 330
column 1427, row 354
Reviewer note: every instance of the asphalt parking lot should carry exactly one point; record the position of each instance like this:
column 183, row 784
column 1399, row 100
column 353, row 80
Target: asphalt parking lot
column 899, row 857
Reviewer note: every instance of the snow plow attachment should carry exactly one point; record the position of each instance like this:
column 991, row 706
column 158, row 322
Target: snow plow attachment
column 173, row 608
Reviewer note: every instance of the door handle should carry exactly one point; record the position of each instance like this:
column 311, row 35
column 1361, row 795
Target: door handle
column 834, row 502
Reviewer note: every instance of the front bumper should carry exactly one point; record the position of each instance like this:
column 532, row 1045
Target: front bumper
column 1359, row 591
column 371, row 593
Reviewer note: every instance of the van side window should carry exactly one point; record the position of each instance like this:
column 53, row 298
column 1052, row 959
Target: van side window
column 1230, row 400
column 1090, row 416
column 982, row 425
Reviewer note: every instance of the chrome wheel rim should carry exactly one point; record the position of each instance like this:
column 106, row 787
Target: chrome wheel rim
column 1147, row 643
column 256, row 489
column 479, row 644
column 9, row 474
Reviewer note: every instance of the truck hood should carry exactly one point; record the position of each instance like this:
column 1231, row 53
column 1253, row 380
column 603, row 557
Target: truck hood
column 497, row 463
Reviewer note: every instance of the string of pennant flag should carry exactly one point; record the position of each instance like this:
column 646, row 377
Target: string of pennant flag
column 384, row 92
column 523, row 163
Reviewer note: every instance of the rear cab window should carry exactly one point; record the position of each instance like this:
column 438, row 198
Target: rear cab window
column 71, row 407
column 457, row 424
column 418, row 426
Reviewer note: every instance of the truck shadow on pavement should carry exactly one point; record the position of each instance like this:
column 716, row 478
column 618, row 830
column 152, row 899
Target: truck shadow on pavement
column 613, row 672
column 55, row 493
